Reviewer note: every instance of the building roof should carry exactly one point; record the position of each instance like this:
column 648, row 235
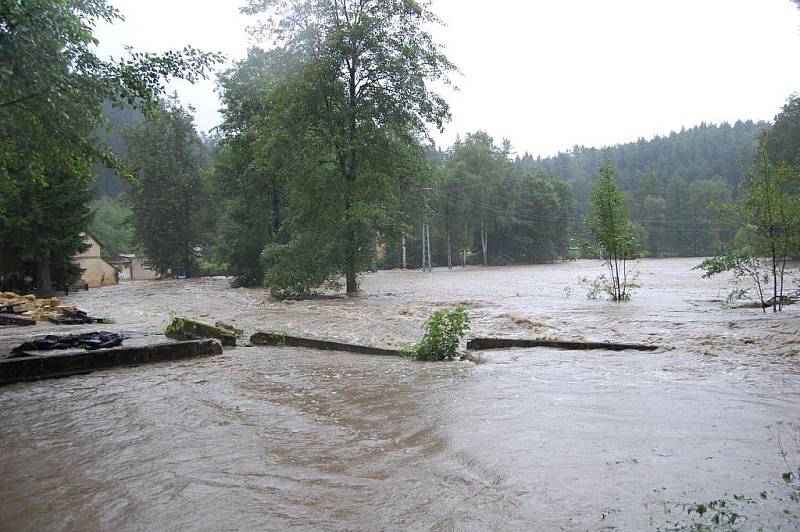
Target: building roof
column 90, row 235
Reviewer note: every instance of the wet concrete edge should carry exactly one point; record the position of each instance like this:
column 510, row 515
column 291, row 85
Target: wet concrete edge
column 482, row 344
column 38, row 367
column 281, row 340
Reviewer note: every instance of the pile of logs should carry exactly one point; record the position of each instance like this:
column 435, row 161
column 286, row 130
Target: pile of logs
column 33, row 308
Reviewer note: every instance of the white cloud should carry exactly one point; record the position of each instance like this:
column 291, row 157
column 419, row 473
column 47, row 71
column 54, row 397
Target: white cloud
column 551, row 74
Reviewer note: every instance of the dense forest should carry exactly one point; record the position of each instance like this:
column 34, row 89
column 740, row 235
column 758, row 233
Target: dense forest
column 670, row 181
column 524, row 210
column 323, row 166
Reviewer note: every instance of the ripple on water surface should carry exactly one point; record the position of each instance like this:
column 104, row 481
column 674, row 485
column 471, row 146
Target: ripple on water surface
column 271, row 438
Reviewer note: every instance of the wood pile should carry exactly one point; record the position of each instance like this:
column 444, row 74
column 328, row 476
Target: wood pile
column 35, row 308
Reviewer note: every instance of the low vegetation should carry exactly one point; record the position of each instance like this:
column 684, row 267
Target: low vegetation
column 443, row 333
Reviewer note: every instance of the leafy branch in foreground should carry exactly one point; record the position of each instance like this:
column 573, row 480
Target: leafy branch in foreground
column 775, row 508
column 443, row 332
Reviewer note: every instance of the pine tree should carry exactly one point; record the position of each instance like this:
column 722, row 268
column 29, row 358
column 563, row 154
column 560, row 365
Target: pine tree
column 165, row 156
column 41, row 225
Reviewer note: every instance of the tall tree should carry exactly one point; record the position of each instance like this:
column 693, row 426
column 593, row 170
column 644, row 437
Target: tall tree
column 362, row 102
column 482, row 173
column 165, row 156
column 608, row 223
column 783, row 143
column 248, row 170
column 768, row 218
column 52, row 90
column 41, row 225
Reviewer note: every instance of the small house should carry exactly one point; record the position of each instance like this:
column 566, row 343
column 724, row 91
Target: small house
column 95, row 271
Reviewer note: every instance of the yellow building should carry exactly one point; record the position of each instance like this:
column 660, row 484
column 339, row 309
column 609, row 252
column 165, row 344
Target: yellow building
column 95, row 271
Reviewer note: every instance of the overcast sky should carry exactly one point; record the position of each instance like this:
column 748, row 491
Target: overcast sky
column 550, row 74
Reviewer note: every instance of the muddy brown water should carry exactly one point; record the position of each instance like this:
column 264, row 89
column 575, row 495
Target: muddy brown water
column 266, row 438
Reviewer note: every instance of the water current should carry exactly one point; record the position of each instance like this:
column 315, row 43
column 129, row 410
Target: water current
column 534, row 439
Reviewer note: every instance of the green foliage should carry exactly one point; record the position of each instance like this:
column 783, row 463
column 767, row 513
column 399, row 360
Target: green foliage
column 292, row 273
column 484, row 203
column 692, row 228
column 170, row 198
column 607, row 221
column 186, row 329
column 784, row 136
column 671, row 220
column 53, row 85
column 40, row 230
column 112, row 225
column 347, row 114
column 443, row 332
column 250, row 166
column 52, row 91
column 767, row 216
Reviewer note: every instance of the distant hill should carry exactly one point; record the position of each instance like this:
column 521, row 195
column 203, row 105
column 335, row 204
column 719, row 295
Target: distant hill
column 670, row 182
column 106, row 182
column 706, row 151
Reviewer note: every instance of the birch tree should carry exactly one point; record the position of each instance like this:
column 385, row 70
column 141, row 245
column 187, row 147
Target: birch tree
column 608, row 223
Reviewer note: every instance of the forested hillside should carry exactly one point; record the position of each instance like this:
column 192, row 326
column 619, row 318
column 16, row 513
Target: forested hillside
column 107, row 181
column 669, row 181
column 706, row 151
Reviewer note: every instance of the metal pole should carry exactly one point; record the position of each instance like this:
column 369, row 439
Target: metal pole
column 428, row 243
column 423, row 243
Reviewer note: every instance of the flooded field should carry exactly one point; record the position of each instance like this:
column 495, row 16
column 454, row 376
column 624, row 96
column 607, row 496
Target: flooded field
column 265, row 438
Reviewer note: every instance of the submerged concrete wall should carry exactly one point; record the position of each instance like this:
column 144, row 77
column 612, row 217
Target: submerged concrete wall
column 280, row 340
column 49, row 365
column 480, row 344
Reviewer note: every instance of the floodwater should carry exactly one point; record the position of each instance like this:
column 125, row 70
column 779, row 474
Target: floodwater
column 273, row 438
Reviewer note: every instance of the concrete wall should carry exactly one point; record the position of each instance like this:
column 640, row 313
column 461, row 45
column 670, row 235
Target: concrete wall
column 139, row 272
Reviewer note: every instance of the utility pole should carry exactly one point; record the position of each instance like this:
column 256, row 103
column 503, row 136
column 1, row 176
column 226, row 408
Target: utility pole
column 403, row 242
column 427, row 264
column 426, row 244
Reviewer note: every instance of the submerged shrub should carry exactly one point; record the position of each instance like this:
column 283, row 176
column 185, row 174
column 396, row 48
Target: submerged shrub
column 443, row 332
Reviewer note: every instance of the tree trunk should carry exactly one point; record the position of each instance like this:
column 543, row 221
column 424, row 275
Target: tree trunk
column 774, row 270
column 44, row 284
column 428, row 246
column 351, row 251
column 351, row 282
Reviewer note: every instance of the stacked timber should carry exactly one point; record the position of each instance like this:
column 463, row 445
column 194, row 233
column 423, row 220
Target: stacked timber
column 29, row 307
